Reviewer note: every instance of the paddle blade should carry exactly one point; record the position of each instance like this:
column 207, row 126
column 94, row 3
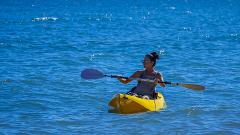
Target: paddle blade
column 193, row 86
column 91, row 74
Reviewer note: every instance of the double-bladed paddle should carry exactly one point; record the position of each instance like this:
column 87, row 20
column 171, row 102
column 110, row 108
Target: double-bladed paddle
column 96, row 74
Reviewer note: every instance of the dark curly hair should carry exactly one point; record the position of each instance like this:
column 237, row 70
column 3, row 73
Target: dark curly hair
column 153, row 56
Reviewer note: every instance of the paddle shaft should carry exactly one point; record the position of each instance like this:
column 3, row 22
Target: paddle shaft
column 139, row 79
column 189, row 86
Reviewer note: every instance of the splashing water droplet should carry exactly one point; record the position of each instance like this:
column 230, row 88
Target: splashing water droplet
column 162, row 52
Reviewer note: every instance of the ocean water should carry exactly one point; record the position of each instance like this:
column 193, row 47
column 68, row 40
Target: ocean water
column 44, row 46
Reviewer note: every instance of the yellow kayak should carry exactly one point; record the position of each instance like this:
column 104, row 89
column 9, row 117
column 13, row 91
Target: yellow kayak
column 127, row 104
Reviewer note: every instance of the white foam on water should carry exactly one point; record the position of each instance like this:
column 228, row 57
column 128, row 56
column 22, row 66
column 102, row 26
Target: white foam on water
column 45, row 19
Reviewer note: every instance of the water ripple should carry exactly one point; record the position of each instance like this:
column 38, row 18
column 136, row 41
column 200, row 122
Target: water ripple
column 45, row 19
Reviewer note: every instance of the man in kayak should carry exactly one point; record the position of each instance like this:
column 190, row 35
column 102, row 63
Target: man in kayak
column 144, row 88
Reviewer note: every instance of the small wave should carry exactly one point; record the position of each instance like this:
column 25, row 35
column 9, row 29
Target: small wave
column 94, row 55
column 188, row 12
column 172, row 8
column 187, row 28
column 105, row 17
column 226, row 37
column 162, row 52
column 235, row 36
column 45, row 19
column 6, row 81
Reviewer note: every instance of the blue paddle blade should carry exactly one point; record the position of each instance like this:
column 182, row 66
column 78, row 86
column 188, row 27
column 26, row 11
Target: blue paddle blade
column 91, row 74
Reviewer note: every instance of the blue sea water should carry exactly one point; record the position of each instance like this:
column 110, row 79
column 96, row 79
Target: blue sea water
column 44, row 46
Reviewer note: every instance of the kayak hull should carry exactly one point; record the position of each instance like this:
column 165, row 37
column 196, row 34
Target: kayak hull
column 128, row 104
